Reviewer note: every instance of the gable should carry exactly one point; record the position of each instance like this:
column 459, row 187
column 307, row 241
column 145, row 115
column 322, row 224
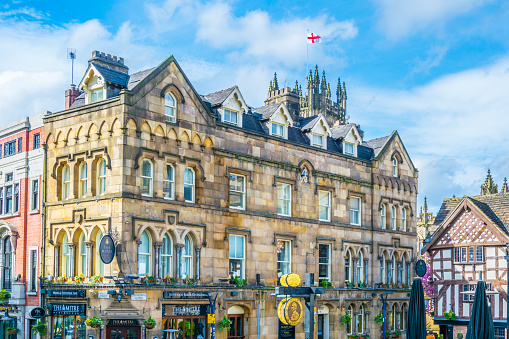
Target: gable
column 281, row 116
column 353, row 136
column 394, row 147
column 321, row 127
column 236, row 102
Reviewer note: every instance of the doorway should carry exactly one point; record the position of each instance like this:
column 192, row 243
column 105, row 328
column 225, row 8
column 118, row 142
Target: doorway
column 123, row 332
column 323, row 322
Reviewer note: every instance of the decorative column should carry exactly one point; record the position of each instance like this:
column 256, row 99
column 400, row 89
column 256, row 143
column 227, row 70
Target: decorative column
column 408, row 275
column 197, row 249
column 354, row 264
column 88, row 269
column 72, row 259
column 366, row 271
column 178, row 250
column 138, row 243
column 390, row 278
column 56, row 261
column 157, row 251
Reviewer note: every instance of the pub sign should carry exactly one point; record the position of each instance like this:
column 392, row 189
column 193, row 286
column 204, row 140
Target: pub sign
column 67, row 309
column 183, row 310
column 67, row 293
column 107, row 249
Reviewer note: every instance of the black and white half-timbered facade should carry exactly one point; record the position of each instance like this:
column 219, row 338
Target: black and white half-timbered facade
column 469, row 244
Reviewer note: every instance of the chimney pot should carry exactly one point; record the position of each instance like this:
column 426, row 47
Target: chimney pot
column 70, row 96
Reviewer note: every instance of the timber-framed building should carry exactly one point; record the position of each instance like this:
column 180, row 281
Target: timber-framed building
column 205, row 191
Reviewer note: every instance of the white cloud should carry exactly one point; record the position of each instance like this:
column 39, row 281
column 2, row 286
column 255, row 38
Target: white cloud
column 434, row 58
column 455, row 127
column 23, row 12
column 400, row 18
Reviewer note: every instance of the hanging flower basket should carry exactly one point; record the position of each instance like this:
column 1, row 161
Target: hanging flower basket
column 149, row 323
column 94, row 322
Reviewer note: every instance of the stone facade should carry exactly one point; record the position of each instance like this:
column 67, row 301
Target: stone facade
column 184, row 223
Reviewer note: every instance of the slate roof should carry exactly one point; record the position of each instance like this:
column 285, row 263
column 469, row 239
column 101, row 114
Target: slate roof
column 135, row 78
column 112, row 76
column 308, row 123
column 341, row 131
column 267, row 110
column 252, row 123
column 217, row 98
column 80, row 101
column 377, row 144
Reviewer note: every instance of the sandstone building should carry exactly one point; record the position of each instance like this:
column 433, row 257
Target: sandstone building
column 202, row 189
column 21, row 171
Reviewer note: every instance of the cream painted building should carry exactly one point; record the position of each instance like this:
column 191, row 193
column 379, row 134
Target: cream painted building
column 202, row 189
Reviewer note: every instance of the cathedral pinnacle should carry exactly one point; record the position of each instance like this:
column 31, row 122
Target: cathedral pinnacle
column 505, row 188
column 489, row 186
column 425, row 211
column 275, row 85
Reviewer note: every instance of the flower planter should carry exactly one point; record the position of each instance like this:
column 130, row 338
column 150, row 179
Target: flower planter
column 15, row 331
column 149, row 326
column 95, row 325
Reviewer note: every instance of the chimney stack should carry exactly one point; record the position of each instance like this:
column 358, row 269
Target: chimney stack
column 70, row 96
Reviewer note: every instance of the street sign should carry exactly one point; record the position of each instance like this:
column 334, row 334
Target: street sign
column 37, row 313
column 420, row 268
column 107, row 249
column 211, row 318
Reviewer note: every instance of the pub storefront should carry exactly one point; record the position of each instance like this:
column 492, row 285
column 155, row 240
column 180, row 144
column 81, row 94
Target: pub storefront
column 67, row 313
column 187, row 313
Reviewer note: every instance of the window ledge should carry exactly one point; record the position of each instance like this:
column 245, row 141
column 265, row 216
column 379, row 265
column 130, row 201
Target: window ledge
column 32, row 293
column 9, row 215
column 33, row 211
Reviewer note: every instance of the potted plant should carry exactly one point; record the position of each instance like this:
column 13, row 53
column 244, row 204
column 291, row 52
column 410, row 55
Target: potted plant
column 94, row 322
column 39, row 328
column 150, row 323
column 379, row 318
column 96, row 279
column 62, row 279
column 12, row 330
column 79, row 279
column 326, row 283
column 150, row 279
column 172, row 280
column 432, row 313
column 450, row 315
column 352, row 336
column 396, row 334
column 4, row 295
column 364, row 335
column 224, row 324
column 460, row 335
column 239, row 282
column 346, row 319
column 349, row 284
column 362, row 285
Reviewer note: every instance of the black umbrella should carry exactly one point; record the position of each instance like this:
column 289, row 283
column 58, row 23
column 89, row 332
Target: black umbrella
column 480, row 325
column 416, row 319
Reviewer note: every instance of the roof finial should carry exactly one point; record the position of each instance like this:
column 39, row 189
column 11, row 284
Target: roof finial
column 270, row 86
column 489, row 186
column 276, row 86
column 425, row 210
column 505, row 188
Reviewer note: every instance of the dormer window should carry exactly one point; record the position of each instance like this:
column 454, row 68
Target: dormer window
column 318, row 140
column 96, row 95
column 277, row 130
column 349, row 148
column 170, row 108
column 230, row 116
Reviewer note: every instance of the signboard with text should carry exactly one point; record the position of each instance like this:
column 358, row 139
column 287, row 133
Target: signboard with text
column 67, row 309
column 184, row 310
column 185, row 295
column 107, row 249
column 61, row 293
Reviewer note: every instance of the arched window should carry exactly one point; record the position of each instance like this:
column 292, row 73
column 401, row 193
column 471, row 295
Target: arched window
column 360, row 320
column 166, row 257
column 349, row 327
column 348, row 266
column 99, row 265
column 383, row 215
column 66, row 182
column 403, row 220
column 383, row 272
column 170, row 108
column 189, row 184
column 187, row 258
column 83, row 256
column 169, row 182
column 360, row 264
column 403, row 271
column 392, row 270
column 83, row 179
column 395, row 171
column 146, row 178
column 145, row 255
column 66, row 257
column 393, row 217
column 392, row 319
column 101, row 176
column 402, row 316
column 7, row 283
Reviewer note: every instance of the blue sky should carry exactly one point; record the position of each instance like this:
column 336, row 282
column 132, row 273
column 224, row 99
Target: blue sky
column 437, row 71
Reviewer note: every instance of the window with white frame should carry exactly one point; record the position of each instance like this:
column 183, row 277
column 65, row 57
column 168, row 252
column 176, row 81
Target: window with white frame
column 393, row 217
column 277, row 129
column 99, row 265
column 33, row 271
column 146, row 177
column 403, row 271
column 284, row 257
column 393, row 270
column 83, row 173
column 324, row 203
column 230, row 116
column 35, row 195
column 66, row 258
column 167, row 258
column 237, row 191
column 383, row 274
column 187, row 258
column 236, row 256
column 349, row 148
column 284, row 199
column 318, row 140
column 1, row 200
column 324, row 262
column 395, row 172
column 16, row 198
column 360, row 320
column 8, row 199
column 96, row 95
column 470, row 289
column 464, row 254
column 7, row 269
column 101, row 176
column 355, row 210
column 189, row 185
column 348, row 266
column 145, row 255
column 66, row 182
column 360, row 268
column 403, row 220
column 82, row 248
column 383, row 216
column 170, row 108
column 349, row 326
column 169, row 182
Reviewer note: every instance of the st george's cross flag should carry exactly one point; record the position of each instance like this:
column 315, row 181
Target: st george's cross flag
column 313, row 38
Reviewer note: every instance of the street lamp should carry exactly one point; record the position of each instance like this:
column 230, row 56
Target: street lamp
column 6, row 316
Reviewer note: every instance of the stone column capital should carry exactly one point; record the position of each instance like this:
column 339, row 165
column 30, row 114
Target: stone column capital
column 197, row 248
column 138, row 242
column 178, row 247
column 72, row 245
column 89, row 244
column 158, row 244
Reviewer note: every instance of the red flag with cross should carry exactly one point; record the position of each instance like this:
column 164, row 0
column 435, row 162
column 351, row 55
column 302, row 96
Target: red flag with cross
column 314, row 38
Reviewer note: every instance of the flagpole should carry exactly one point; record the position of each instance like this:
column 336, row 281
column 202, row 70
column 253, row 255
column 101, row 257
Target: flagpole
column 307, row 72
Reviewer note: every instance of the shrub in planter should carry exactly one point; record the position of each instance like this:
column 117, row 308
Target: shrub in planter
column 12, row 330
column 239, row 282
column 79, row 279
column 150, row 323
column 346, row 319
column 96, row 279
column 352, row 336
column 379, row 318
column 326, row 283
column 365, row 336
column 94, row 322
column 150, row 279
column 39, row 328
column 224, row 324
column 4, row 295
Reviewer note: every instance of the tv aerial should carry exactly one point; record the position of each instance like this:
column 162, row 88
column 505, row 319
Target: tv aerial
column 71, row 54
